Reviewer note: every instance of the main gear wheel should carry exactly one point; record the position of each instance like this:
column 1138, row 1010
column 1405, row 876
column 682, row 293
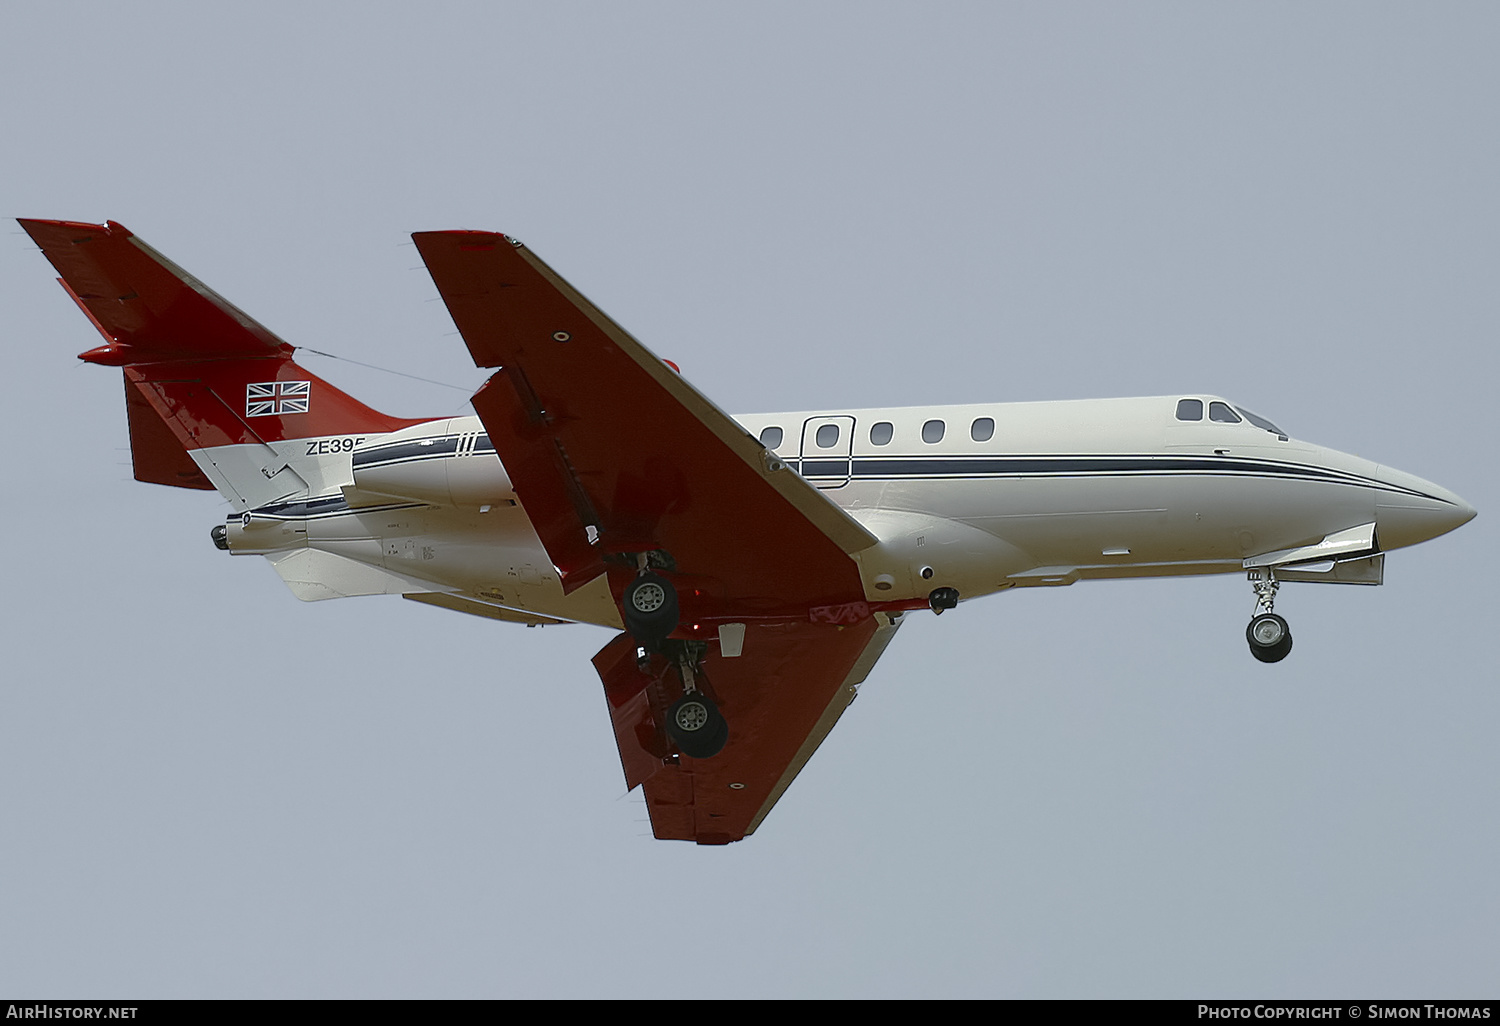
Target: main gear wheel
column 695, row 726
column 649, row 608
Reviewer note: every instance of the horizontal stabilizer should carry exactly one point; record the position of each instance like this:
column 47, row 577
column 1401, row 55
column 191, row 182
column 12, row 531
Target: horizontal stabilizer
column 149, row 309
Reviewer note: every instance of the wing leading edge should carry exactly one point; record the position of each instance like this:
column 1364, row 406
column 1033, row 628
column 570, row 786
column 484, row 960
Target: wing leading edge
column 612, row 453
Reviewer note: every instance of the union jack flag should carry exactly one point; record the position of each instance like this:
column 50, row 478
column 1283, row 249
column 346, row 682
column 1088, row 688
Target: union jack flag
column 277, row 398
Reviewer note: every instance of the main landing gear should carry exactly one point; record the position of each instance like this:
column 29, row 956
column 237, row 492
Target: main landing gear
column 649, row 607
column 693, row 722
column 650, row 611
column 1269, row 637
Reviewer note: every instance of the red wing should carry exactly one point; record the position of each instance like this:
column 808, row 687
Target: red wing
column 596, row 432
column 780, row 698
column 148, row 307
column 612, row 453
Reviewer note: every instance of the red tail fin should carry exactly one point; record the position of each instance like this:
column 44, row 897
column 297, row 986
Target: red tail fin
column 199, row 372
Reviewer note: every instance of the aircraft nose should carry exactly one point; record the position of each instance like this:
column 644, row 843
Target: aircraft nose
column 1410, row 510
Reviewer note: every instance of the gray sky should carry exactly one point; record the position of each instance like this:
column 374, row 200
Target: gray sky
column 208, row 788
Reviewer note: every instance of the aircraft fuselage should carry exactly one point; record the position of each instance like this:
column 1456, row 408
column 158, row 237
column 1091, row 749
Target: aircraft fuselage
column 978, row 498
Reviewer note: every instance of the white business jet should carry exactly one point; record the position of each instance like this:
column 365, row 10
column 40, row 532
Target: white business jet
column 756, row 566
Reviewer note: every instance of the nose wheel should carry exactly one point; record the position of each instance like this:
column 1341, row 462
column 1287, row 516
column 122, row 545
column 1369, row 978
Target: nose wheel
column 1268, row 634
column 1270, row 638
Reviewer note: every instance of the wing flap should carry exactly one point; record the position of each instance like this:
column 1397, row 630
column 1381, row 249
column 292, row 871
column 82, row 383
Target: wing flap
column 556, row 502
column 628, row 693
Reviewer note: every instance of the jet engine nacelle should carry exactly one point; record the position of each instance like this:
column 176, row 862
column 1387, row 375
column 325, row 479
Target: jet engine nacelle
column 430, row 463
column 278, row 528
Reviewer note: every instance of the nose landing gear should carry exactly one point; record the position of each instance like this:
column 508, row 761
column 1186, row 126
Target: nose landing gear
column 1268, row 634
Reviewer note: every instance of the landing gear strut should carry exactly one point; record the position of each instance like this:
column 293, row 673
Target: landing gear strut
column 1269, row 637
column 650, row 611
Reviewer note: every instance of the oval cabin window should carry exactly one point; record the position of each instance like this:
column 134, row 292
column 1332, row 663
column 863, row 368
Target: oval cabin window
column 880, row 434
column 982, row 430
column 771, row 437
column 932, row 431
column 828, row 436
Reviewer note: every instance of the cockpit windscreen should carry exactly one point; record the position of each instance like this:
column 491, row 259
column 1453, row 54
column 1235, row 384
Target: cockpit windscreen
column 1260, row 422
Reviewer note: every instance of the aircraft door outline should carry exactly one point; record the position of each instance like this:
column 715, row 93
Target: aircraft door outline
column 829, row 465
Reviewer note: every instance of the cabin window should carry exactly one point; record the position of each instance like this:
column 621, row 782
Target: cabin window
column 771, row 437
column 1222, row 413
column 1190, row 409
column 932, row 431
column 880, row 434
column 982, row 430
column 828, row 436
